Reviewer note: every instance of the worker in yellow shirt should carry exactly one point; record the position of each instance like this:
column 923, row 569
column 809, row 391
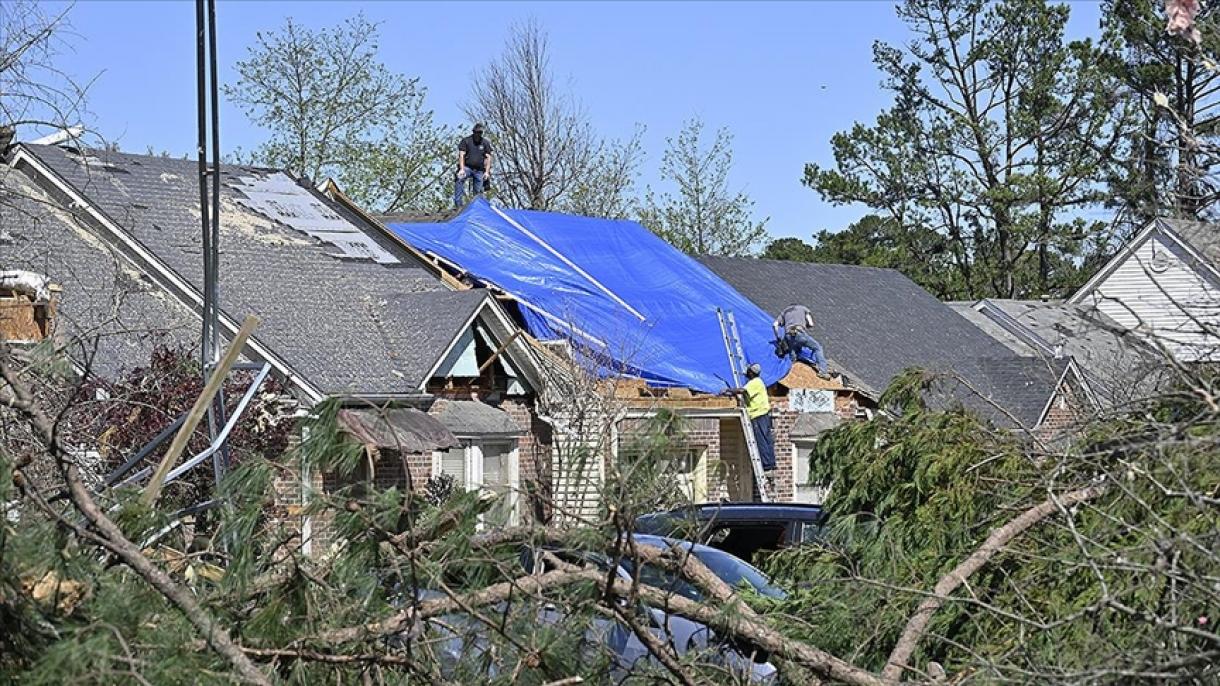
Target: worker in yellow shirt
column 758, row 408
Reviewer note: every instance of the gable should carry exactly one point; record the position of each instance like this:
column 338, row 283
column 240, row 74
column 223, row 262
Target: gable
column 489, row 355
column 1162, row 289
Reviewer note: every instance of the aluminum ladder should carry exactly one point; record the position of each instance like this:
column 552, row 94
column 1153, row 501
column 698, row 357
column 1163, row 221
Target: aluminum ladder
column 737, row 367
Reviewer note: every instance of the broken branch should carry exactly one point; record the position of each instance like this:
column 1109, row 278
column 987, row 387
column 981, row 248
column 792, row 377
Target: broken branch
column 918, row 623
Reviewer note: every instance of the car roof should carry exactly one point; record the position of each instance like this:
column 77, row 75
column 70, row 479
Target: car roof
column 729, row 511
column 663, row 542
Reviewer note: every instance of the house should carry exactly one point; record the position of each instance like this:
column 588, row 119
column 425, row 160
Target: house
column 1164, row 286
column 875, row 323
column 345, row 312
column 1118, row 366
column 634, row 323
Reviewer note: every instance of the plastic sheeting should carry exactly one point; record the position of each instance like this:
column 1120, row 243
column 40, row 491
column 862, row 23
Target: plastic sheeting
column 612, row 288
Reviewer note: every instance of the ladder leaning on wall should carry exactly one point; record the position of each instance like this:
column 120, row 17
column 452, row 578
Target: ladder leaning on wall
column 737, row 367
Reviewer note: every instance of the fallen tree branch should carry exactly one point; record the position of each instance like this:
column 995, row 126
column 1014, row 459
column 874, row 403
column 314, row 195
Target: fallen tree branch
column 116, row 542
column 753, row 631
column 439, row 606
column 660, row 649
column 917, row 625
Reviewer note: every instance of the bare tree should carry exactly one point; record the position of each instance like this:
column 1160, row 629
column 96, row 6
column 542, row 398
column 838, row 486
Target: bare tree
column 542, row 136
column 34, row 92
column 607, row 186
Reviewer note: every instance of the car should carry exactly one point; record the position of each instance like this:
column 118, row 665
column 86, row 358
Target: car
column 687, row 636
column 742, row 529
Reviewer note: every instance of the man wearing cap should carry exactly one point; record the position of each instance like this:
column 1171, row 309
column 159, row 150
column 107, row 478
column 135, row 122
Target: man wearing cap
column 758, row 408
column 474, row 161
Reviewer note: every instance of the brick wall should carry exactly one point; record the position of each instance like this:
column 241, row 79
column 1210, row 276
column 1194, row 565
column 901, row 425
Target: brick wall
column 1067, row 410
column 533, row 457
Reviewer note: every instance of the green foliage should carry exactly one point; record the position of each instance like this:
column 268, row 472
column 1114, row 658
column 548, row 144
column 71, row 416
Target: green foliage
column 332, row 108
column 788, row 248
column 704, row 217
column 1168, row 166
column 1094, row 592
column 607, row 185
column 1000, row 134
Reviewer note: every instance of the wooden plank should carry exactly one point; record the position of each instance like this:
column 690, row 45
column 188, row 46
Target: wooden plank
column 153, row 490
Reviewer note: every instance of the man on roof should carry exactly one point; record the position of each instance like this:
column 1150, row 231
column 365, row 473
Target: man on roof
column 758, row 408
column 474, row 163
column 793, row 325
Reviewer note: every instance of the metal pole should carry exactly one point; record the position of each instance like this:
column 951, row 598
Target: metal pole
column 204, row 208
column 216, row 416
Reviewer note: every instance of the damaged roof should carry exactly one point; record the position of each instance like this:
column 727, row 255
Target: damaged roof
column 109, row 314
column 340, row 303
column 1118, row 366
column 875, row 323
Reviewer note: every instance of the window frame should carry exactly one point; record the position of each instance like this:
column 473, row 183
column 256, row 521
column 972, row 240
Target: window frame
column 473, row 452
column 812, row 494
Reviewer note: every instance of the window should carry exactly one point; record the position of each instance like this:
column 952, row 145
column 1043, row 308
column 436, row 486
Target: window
column 805, row 493
column 744, row 539
column 497, row 476
column 688, row 464
column 491, row 465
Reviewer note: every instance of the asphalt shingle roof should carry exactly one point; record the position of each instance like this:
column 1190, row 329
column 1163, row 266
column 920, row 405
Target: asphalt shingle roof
column 348, row 325
column 1117, row 366
column 106, row 302
column 469, row 417
column 1202, row 236
column 1009, row 391
column 874, row 323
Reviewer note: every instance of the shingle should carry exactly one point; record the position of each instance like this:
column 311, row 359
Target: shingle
column 1202, row 236
column 1009, row 391
column 872, row 323
column 348, row 325
column 875, row 323
column 472, row 418
column 1117, row 365
column 109, row 315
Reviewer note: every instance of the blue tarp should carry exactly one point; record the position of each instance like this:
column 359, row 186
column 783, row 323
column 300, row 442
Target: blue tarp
column 610, row 287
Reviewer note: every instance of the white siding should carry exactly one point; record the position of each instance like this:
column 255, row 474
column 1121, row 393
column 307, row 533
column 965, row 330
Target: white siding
column 1158, row 294
column 577, row 452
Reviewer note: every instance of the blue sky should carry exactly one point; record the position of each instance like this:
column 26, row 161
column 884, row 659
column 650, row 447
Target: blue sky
column 783, row 77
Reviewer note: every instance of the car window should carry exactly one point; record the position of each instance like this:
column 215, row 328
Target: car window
column 811, row 532
column 745, row 539
column 734, row 572
column 664, row 580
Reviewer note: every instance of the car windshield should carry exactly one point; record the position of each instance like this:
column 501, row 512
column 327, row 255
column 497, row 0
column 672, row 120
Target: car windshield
column 734, row 571
column 729, row 569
